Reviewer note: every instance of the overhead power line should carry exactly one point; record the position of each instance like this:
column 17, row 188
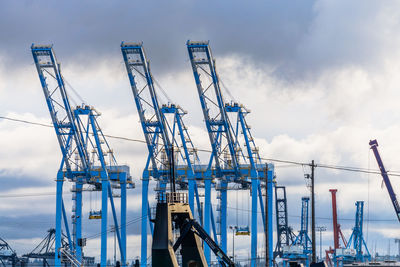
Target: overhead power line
column 291, row 162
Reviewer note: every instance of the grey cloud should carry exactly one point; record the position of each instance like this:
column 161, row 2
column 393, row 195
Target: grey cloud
column 267, row 31
column 16, row 181
column 298, row 38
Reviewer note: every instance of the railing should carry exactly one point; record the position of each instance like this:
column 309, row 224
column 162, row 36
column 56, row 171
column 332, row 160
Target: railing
column 163, row 197
column 71, row 258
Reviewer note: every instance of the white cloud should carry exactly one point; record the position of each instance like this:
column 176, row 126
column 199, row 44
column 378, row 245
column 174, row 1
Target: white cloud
column 338, row 90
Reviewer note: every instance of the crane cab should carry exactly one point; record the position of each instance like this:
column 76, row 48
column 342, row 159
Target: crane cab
column 243, row 230
column 95, row 215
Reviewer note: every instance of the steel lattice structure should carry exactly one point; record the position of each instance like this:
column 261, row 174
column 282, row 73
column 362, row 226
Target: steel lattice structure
column 87, row 159
column 229, row 162
column 163, row 128
column 356, row 240
column 285, row 236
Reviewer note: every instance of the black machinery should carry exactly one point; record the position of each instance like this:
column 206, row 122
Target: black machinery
column 173, row 212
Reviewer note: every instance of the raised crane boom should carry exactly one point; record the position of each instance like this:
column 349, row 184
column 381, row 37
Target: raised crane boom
column 153, row 123
column 62, row 116
column 84, row 149
column 374, row 146
column 213, row 106
column 227, row 135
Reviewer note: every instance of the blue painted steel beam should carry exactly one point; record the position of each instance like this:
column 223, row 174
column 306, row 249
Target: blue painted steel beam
column 224, row 215
column 116, row 225
column 123, row 220
column 270, row 185
column 104, row 218
column 207, row 214
column 143, row 250
column 57, row 259
column 78, row 218
column 254, row 198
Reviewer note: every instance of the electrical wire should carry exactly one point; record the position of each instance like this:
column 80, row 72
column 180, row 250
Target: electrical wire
column 111, row 229
column 291, row 162
column 32, row 194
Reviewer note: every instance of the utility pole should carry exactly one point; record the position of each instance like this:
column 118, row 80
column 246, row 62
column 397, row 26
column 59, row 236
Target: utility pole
column 233, row 228
column 320, row 229
column 267, row 256
column 113, row 229
column 314, row 258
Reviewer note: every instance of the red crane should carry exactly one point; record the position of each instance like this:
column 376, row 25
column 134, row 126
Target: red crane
column 337, row 232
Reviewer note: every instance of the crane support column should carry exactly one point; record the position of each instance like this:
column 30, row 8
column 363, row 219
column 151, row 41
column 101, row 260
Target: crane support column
column 223, row 223
column 145, row 208
column 59, row 192
column 104, row 212
column 123, row 219
column 78, row 219
column 254, row 199
column 269, row 196
column 207, row 214
column 191, row 193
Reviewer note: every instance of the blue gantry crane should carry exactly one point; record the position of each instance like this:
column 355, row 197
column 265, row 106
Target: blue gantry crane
column 300, row 249
column 356, row 240
column 229, row 163
column 87, row 161
column 163, row 128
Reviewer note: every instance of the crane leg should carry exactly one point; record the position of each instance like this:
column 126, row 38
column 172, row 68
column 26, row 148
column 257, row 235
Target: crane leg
column 254, row 196
column 145, row 208
column 191, row 193
column 223, row 224
column 57, row 258
column 123, row 220
column 104, row 212
column 207, row 213
column 78, row 220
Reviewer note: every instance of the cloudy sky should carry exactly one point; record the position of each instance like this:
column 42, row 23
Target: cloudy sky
column 320, row 78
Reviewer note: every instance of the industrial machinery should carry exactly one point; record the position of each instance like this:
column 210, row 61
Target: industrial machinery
column 229, row 162
column 162, row 133
column 88, row 161
column 285, row 235
column 173, row 213
column 356, row 240
column 7, row 255
column 163, row 129
column 45, row 250
column 300, row 250
column 374, row 146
